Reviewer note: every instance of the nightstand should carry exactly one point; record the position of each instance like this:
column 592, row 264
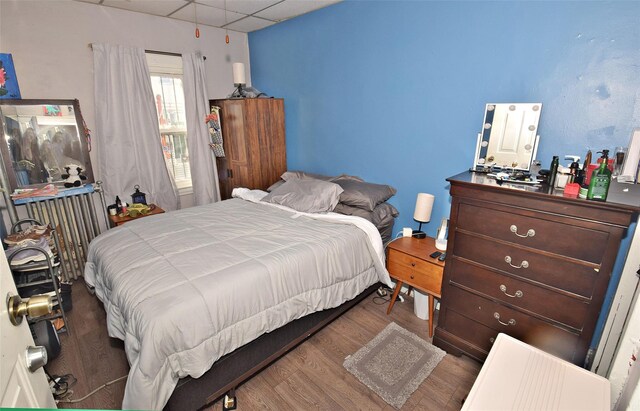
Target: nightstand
column 409, row 263
column 116, row 220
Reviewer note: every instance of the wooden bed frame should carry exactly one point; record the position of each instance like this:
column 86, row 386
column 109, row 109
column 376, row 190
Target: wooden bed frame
column 230, row 371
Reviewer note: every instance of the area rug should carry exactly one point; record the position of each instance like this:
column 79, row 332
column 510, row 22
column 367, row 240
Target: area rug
column 394, row 364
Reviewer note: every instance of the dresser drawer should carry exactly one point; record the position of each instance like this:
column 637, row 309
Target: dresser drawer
column 546, row 336
column 554, row 306
column 415, row 272
column 556, row 272
column 557, row 237
column 472, row 332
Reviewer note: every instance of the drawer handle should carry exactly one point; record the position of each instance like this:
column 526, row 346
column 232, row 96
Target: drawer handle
column 518, row 293
column 508, row 323
column 530, row 232
column 492, row 340
column 523, row 264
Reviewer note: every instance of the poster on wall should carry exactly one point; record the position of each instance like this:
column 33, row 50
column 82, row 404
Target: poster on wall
column 8, row 80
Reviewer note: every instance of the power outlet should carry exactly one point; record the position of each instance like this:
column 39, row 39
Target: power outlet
column 407, row 232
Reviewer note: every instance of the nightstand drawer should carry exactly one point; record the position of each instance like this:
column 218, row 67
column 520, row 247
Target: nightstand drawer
column 415, row 272
column 558, row 237
column 554, row 306
column 557, row 272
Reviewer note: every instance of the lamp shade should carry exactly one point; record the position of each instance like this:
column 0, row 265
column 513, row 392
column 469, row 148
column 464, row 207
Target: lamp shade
column 424, row 205
column 238, row 73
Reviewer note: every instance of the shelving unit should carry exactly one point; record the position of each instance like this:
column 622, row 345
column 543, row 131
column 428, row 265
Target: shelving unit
column 40, row 274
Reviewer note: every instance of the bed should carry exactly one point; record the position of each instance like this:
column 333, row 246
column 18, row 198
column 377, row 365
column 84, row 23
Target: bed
column 187, row 288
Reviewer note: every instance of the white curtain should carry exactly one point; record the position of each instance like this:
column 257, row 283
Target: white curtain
column 204, row 173
column 127, row 134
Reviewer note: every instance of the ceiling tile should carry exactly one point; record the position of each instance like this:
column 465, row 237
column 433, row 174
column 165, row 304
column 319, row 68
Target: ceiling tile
column 207, row 15
column 241, row 6
column 292, row 8
column 249, row 24
column 157, row 8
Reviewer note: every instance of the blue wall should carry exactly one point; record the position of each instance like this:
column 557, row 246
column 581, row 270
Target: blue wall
column 394, row 91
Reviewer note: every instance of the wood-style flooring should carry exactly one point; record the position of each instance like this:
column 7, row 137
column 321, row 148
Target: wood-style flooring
column 309, row 377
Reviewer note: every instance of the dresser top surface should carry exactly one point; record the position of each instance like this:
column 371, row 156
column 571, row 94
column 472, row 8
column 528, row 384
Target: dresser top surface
column 621, row 195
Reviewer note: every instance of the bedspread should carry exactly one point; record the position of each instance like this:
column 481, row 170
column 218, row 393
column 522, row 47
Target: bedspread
column 184, row 288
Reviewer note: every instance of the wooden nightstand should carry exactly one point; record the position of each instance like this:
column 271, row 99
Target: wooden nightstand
column 409, row 263
column 117, row 220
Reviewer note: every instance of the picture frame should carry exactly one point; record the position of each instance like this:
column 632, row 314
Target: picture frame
column 9, row 88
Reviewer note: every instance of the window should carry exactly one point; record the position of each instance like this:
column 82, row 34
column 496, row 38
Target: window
column 166, row 82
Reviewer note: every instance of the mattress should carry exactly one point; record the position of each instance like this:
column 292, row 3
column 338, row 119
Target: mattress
column 184, row 288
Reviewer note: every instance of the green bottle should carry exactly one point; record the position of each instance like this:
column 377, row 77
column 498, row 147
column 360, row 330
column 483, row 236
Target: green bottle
column 600, row 179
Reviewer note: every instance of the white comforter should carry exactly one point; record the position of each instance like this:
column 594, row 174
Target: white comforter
column 184, row 288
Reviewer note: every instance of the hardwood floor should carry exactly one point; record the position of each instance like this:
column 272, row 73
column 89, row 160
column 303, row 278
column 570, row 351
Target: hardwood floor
column 309, row 377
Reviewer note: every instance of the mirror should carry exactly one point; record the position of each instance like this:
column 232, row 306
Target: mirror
column 41, row 138
column 509, row 137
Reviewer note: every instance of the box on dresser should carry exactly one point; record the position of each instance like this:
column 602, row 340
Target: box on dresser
column 528, row 263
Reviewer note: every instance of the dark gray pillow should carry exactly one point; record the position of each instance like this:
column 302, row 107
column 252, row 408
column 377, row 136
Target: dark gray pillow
column 308, row 196
column 364, row 195
column 383, row 217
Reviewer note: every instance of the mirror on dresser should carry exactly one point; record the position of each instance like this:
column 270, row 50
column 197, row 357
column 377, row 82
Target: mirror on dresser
column 41, row 138
column 509, row 137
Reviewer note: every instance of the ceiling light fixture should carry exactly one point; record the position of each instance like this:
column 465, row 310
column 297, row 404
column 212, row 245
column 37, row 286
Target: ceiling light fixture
column 195, row 18
column 226, row 31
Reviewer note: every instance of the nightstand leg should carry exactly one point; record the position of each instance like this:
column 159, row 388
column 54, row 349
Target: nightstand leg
column 394, row 296
column 430, row 316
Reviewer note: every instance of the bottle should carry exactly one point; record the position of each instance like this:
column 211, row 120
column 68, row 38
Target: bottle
column 600, row 180
column 118, row 205
column 553, row 170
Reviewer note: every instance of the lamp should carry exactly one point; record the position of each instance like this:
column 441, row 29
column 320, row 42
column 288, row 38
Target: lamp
column 238, row 80
column 422, row 213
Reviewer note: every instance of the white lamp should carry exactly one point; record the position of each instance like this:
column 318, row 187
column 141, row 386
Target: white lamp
column 422, row 213
column 239, row 80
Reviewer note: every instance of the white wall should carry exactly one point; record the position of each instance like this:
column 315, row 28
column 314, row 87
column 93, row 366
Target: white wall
column 49, row 42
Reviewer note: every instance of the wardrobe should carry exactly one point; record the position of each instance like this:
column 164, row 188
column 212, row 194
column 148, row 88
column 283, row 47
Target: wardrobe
column 253, row 133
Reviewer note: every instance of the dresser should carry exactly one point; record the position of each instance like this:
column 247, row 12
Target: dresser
column 253, row 133
column 526, row 262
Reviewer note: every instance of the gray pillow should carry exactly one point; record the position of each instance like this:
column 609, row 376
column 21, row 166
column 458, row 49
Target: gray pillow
column 308, row 196
column 275, row 185
column 364, row 195
column 301, row 175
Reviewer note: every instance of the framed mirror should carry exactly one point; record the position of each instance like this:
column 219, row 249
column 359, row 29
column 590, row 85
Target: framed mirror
column 509, row 137
column 41, row 138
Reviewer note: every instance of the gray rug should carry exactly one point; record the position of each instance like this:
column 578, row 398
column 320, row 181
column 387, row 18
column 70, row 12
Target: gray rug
column 394, row 364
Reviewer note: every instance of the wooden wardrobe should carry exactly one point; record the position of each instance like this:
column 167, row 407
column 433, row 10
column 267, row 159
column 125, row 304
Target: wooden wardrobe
column 253, row 133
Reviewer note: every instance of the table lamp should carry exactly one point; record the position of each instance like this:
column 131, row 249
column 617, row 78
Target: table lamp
column 422, row 213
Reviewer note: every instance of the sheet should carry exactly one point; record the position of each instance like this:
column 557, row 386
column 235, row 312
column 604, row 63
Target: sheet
column 184, row 288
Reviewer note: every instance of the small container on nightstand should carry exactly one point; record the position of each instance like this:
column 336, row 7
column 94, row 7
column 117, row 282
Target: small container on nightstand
column 409, row 262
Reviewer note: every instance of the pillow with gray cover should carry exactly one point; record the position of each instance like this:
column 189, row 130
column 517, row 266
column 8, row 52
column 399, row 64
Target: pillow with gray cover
column 301, row 175
column 307, row 196
column 364, row 195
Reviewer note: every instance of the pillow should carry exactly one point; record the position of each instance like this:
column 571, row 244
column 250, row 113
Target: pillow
column 382, row 213
column 301, row 175
column 275, row 185
column 364, row 195
column 308, row 196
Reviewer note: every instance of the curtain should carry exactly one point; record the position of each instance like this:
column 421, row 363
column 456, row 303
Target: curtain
column 204, row 173
column 127, row 133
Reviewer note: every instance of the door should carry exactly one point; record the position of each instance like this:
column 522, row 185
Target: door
column 19, row 388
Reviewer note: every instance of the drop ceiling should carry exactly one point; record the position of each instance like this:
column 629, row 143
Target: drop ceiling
column 237, row 15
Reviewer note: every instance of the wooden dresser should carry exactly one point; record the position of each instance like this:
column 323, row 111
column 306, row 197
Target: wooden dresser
column 253, row 133
column 527, row 263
